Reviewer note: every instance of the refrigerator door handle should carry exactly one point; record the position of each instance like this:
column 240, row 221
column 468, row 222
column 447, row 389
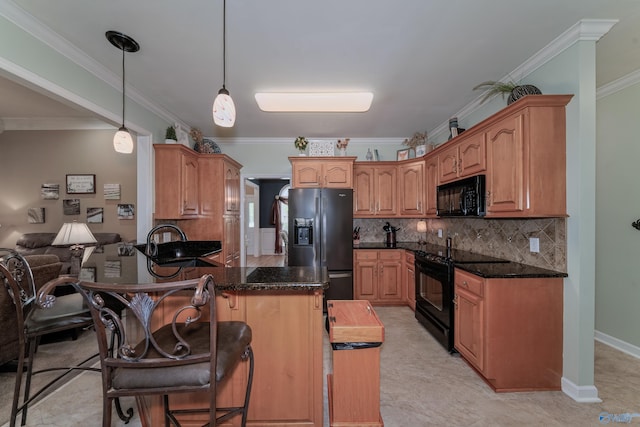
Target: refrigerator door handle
column 323, row 203
column 339, row 275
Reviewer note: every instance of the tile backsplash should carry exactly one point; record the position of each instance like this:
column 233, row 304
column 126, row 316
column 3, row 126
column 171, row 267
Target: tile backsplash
column 503, row 238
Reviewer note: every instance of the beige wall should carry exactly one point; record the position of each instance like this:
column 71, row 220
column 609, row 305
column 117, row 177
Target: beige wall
column 29, row 159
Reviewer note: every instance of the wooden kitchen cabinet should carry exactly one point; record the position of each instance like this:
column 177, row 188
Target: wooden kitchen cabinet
column 463, row 158
column 314, row 172
column 378, row 276
column 526, row 154
column 430, row 186
column 375, row 190
column 510, row 330
column 176, row 182
column 409, row 278
column 219, row 206
column 411, row 183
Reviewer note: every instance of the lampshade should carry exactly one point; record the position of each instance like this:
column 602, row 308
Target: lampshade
column 224, row 111
column 74, row 233
column 422, row 226
column 122, row 141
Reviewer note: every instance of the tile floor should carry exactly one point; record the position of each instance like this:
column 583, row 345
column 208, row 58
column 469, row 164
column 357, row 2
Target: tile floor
column 421, row 385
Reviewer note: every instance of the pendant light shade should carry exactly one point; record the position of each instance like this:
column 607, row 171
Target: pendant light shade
column 122, row 141
column 224, row 111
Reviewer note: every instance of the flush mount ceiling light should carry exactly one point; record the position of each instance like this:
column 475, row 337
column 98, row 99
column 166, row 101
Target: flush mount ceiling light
column 224, row 111
column 122, row 141
column 335, row 102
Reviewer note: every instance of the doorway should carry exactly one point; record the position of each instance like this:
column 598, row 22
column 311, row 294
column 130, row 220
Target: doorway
column 259, row 196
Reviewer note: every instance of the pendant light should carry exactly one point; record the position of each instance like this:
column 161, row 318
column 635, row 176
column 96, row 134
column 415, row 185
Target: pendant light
column 224, row 112
column 122, row 141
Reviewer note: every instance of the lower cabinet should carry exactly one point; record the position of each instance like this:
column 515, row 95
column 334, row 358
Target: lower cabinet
column 510, row 330
column 287, row 330
column 378, row 276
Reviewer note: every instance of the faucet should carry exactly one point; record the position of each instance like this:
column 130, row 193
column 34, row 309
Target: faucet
column 152, row 247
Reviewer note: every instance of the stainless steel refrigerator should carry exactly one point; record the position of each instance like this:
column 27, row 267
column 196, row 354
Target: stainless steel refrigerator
column 321, row 234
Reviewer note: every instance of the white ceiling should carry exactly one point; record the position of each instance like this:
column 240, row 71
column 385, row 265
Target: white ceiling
column 420, row 58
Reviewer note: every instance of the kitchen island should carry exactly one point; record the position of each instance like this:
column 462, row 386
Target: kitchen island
column 283, row 307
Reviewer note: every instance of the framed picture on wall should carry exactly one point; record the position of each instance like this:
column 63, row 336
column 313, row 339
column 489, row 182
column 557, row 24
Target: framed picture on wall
column 95, row 215
column 81, row 184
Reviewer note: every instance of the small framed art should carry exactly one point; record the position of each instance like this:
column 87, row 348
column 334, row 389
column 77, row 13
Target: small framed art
column 403, row 154
column 81, row 184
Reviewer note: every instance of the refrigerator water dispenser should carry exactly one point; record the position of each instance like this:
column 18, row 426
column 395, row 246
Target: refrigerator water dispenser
column 303, row 231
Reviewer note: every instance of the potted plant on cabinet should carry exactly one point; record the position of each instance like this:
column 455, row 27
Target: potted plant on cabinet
column 170, row 136
column 514, row 90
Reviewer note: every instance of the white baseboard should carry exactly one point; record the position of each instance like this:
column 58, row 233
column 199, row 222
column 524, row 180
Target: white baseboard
column 582, row 394
column 618, row 344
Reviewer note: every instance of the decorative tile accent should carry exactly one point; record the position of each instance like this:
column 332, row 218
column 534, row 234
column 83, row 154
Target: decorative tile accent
column 503, row 238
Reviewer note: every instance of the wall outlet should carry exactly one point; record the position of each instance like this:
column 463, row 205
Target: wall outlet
column 534, row 244
column 440, row 232
column 166, row 236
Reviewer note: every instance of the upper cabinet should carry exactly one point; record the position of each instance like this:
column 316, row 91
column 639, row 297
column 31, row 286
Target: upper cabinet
column 411, row 186
column 431, row 182
column 325, row 172
column 176, row 182
column 375, row 187
column 526, row 159
column 463, row 158
column 231, row 187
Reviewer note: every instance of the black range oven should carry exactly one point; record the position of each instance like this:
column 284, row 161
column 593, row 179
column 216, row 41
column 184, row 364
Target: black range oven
column 434, row 269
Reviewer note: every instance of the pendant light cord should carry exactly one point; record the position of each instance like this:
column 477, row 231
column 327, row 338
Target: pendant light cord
column 123, row 86
column 224, row 43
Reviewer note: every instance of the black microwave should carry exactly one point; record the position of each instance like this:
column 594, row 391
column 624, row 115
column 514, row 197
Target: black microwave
column 465, row 197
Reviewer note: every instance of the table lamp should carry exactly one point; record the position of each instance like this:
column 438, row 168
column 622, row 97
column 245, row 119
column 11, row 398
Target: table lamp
column 75, row 235
column 422, row 228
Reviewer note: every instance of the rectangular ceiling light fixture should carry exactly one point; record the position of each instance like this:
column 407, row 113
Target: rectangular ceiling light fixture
column 326, row 102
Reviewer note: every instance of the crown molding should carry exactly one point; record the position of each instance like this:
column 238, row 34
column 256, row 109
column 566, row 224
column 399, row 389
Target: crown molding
column 44, row 34
column 289, row 140
column 583, row 30
column 618, row 84
column 55, row 123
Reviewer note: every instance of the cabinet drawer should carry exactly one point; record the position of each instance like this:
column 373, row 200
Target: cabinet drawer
column 363, row 255
column 390, row 254
column 409, row 257
column 470, row 282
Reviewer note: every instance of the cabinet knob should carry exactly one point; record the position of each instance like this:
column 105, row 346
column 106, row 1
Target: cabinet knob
column 465, row 284
column 455, row 301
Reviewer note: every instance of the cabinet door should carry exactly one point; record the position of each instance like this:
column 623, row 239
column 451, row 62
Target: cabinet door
column 231, row 246
column 431, row 183
column 338, row 175
column 307, row 174
column 448, row 165
column 472, row 156
column 189, row 185
column 469, row 326
column 410, row 279
column 363, row 198
column 411, row 188
column 385, row 187
column 390, row 275
column 365, row 279
column 505, row 141
column 231, row 189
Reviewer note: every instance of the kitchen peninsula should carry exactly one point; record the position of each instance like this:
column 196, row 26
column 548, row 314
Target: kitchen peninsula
column 283, row 307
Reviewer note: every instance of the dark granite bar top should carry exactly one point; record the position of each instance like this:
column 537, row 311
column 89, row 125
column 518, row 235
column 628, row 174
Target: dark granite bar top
column 485, row 269
column 111, row 266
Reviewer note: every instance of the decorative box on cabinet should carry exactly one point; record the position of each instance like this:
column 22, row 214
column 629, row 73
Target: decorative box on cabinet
column 176, row 182
column 510, row 330
column 353, row 389
column 378, row 276
column 375, row 190
column 325, row 172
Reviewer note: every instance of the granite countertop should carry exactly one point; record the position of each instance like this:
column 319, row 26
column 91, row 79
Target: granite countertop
column 111, row 267
column 485, row 269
